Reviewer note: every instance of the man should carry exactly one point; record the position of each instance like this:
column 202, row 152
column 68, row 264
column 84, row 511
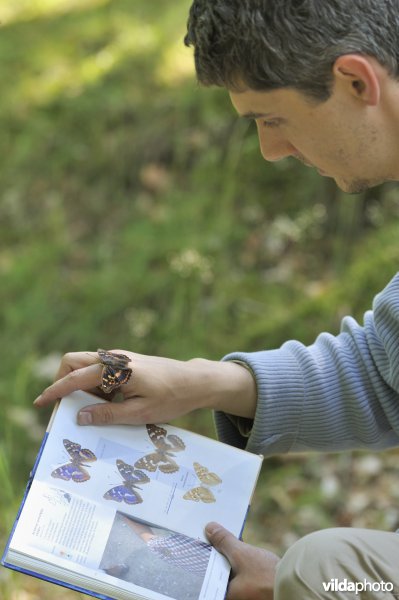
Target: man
column 321, row 80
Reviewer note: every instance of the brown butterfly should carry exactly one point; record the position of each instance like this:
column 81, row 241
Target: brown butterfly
column 201, row 492
column 115, row 370
column 165, row 446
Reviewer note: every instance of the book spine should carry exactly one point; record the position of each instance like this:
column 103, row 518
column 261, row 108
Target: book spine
column 70, row 586
column 28, row 486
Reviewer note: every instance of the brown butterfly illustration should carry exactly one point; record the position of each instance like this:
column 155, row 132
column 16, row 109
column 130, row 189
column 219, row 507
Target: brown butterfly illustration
column 165, row 446
column 201, row 492
column 115, row 370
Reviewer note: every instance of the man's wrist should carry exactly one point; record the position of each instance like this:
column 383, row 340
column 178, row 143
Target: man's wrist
column 225, row 386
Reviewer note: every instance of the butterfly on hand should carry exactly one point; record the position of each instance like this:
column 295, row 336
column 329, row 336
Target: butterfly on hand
column 75, row 469
column 166, row 446
column 115, row 370
column 202, row 493
column 127, row 492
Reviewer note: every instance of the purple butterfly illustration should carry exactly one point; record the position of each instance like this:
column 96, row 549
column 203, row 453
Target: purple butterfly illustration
column 126, row 492
column 75, row 469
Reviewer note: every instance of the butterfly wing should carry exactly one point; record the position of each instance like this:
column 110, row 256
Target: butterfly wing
column 149, row 462
column 158, row 436
column 170, row 465
column 118, row 361
column 77, row 453
column 71, row 471
column 205, row 476
column 130, row 474
column 112, row 378
column 176, row 443
column 200, row 494
column 124, row 493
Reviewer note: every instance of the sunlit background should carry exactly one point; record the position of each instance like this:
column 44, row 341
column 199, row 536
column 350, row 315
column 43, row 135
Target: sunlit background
column 136, row 212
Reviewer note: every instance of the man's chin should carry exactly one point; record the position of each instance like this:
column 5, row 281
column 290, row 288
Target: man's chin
column 355, row 186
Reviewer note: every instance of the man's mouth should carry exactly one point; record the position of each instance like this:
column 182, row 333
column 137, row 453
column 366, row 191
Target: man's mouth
column 303, row 160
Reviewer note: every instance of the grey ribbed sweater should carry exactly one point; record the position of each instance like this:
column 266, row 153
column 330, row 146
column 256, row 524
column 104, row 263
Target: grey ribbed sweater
column 340, row 393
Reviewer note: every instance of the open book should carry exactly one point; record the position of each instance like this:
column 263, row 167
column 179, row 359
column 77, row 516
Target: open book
column 119, row 511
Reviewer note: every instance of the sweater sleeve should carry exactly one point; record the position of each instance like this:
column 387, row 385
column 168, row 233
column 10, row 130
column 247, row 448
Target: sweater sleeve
column 340, row 393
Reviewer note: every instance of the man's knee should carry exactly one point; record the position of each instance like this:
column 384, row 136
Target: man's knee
column 309, row 562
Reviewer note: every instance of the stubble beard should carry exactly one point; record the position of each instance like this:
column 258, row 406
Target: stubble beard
column 358, row 186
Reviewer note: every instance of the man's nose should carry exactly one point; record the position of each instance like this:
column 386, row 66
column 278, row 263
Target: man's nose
column 273, row 145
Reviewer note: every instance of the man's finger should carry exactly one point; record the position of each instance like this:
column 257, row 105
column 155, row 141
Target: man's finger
column 73, row 361
column 223, row 540
column 112, row 413
column 81, row 379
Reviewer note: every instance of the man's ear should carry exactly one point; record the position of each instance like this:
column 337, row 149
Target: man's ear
column 360, row 76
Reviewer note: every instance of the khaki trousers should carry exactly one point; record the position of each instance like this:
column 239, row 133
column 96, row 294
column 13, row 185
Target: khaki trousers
column 340, row 564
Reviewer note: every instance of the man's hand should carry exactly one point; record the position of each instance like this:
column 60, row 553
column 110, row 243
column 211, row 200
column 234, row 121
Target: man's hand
column 159, row 390
column 253, row 569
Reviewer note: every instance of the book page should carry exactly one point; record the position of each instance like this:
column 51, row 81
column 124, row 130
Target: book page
column 63, row 524
column 168, row 476
column 72, row 539
column 158, row 484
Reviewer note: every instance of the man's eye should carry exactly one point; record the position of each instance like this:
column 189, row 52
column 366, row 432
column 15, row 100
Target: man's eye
column 270, row 124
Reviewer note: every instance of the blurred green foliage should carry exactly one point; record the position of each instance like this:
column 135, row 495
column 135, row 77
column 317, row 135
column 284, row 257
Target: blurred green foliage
column 136, row 212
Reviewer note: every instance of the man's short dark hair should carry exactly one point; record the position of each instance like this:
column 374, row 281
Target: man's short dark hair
column 269, row 44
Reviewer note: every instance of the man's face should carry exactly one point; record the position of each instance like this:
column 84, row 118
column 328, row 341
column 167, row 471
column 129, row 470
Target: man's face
column 341, row 137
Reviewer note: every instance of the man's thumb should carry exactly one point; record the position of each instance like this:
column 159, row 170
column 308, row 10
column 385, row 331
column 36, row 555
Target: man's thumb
column 222, row 540
column 98, row 414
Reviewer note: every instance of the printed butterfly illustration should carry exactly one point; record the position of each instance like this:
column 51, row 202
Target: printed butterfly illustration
column 75, row 469
column 201, row 492
column 126, row 492
column 165, row 446
column 115, row 370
